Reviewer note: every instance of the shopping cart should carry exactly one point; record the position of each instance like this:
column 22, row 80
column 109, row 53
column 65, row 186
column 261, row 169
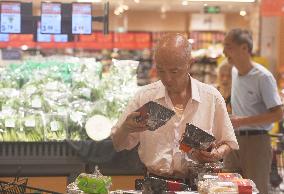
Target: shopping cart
column 277, row 165
column 19, row 186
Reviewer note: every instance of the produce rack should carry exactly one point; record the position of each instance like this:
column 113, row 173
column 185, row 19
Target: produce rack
column 66, row 158
column 277, row 165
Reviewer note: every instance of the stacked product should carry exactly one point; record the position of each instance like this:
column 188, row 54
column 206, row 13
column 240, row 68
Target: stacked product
column 230, row 183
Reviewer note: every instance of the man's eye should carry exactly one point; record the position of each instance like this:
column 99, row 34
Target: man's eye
column 174, row 71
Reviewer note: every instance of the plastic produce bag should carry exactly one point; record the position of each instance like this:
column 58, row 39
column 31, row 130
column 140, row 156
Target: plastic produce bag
column 90, row 184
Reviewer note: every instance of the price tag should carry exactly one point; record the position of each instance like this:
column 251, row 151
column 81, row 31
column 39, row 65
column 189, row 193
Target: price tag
column 86, row 92
column 30, row 90
column 61, row 38
column 10, row 123
column 54, row 126
column 7, row 110
column 10, row 17
column 51, row 18
column 4, row 37
column 36, row 103
column 81, row 18
column 30, row 122
column 42, row 37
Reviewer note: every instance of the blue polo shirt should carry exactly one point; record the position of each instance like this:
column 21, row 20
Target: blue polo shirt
column 253, row 94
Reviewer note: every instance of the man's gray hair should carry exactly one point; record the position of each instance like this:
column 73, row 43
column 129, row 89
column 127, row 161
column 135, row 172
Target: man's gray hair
column 242, row 36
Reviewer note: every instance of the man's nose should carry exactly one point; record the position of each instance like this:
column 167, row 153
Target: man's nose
column 167, row 77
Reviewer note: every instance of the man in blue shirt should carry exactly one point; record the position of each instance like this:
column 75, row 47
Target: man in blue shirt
column 256, row 104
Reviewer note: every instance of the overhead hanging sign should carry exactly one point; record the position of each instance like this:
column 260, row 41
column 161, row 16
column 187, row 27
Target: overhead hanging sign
column 207, row 22
column 81, row 18
column 272, row 7
column 51, row 18
column 212, row 9
column 10, row 17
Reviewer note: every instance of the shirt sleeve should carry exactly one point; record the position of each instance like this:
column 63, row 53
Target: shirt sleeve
column 222, row 127
column 133, row 139
column 269, row 92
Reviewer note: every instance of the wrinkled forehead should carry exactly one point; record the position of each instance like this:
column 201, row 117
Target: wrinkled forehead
column 170, row 58
column 172, row 49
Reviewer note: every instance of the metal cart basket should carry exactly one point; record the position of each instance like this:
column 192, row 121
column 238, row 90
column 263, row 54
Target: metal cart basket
column 277, row 165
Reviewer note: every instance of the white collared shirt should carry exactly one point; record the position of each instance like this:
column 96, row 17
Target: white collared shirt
column 159, row 149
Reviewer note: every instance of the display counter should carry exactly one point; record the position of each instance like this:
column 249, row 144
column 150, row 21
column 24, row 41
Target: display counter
column 66, row 158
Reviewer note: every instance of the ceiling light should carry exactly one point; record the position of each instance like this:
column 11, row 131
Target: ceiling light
column 243, row 13
column 165, row 8
column 120, row 9
column 239, row 1
column 184, row 2
column 205, row 4
column 137, row 1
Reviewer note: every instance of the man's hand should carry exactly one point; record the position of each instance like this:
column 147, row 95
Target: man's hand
column 204, row 156
column 236, row 121
column 216, row 154
column 133, row 124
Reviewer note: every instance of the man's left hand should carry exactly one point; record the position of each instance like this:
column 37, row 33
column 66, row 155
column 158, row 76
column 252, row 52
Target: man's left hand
column 204, row 156
column 236, row 121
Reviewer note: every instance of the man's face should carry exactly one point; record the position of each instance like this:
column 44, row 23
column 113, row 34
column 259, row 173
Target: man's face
column 173, row 72
column 232, row 51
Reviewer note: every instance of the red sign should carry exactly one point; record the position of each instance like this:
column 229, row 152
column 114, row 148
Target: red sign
column 272, row 7
column 124, row 40
column 87, row 38
column 104, row 41
column 143, row 40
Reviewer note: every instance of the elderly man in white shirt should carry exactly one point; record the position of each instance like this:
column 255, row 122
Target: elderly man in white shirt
column 193, row 102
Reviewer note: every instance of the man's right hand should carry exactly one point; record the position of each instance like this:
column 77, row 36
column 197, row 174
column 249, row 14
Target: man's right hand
column 132, row 124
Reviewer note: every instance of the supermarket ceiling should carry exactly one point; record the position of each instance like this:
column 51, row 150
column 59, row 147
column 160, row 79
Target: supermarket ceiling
column 165, row 5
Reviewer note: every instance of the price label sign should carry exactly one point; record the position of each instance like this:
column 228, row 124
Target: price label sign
column 10, row 17
column 81, row 18
column 42, row 37
column 61, row 38
column 50, row 18
column 4, row 37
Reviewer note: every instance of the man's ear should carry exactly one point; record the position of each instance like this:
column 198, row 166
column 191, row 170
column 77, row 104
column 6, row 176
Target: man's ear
column 190, row 62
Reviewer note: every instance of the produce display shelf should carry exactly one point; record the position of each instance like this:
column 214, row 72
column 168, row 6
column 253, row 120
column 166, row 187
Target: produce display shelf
column 65, row 158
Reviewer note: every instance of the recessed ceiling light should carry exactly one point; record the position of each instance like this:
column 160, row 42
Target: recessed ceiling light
column 243, row 13
column 184, row 2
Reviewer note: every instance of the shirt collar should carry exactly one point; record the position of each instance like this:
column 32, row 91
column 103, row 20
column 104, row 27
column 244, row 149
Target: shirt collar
column 195, row 94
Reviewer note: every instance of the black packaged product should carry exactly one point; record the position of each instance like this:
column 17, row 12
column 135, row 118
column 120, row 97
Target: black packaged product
column 196, row 138
column 154, row 114
column 153, row 185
